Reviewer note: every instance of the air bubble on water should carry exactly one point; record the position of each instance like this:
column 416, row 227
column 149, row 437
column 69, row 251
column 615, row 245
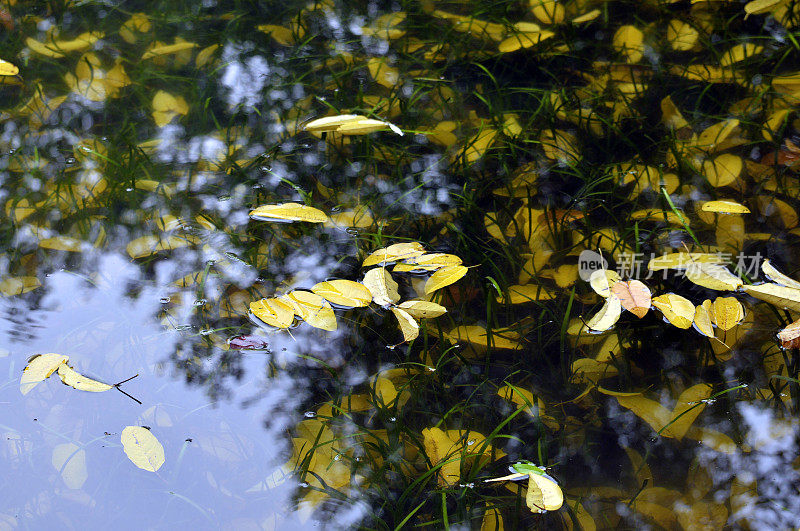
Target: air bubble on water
column 200, row 302
column 304, row 484
column 71, row 160
column 206, row 332
column 164, row 300
column 12, row 151
column 470, row 442
column 352, row 231
column 337, row 457
column 129, row 189
column 181, row 328
column 85, row 149
column 309, row 414
column 223, row 198
column 393, row 419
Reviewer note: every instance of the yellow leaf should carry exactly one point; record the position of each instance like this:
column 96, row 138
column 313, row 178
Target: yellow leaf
column 205, row 55
column 61, row 48
column 408, row 325
column 526, row 293
column 273, row 312
column 723, row 170
column 382, row 286
column 343, row 293
column 39, row 368
column 771, row 206
column 543, row 494
column 687, row 409
column 394, row 253
column 603, row 280
column 756, row 7
column 607, row 316
column 80, row 382
column 445, row 277
column 382, row 73
column 423, row 309
column 149, row 245
column 776, row 276
column 560, row 145
column 366, row 126
column 427, row 262
column 504, row 339
column 591, row 371
column 713, row 276
column 385, row 26
column 725, row 207
column 628, row 40
column 678, row 310
column 728, row 312
column 587, row 17
column 286, row 212
column 780, row 296
column 168, row 49
column 18, row 285
column 714, row 136
column 477, row 145
column 142, row 448
column 740, row 52
column 8, row 69
column 69, row 460
column 312, row 309
column 681, row 35
column 702, row 318
column 683, row 260
column 524, row 39
column 492, row 520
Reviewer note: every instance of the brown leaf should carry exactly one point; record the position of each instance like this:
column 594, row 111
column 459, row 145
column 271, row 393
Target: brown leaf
column 634, row 295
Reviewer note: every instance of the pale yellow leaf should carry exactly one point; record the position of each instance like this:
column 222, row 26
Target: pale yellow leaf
column 382, row 286
column 394, row 253
column 780, row 296
column 725, row 207
column 61, row 243
column 776, row 276
column 408, row 325
column 703, row 318
column 69, row 460
column 10, row 286
column 603, row 280
column 80, row 382
column 142, row 448
column 39, row 368
column 712, row 276
column 607, row 316
column 543, row 494
column 683, row 260
column 422, row 309
column 727, row 312
column 681, row 35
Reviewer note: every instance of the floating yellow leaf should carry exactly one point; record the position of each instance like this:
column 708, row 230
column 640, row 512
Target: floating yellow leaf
column 628, row 40
column 703, row 318
column 790, row 336
column 427, row 262
column 273, row 312
column 80, row 382
column 780, row 296
column 444, row 277
column 408, row 325
column 39, row 368
column 683, row 260
column 776, row 276
column 142, row 448
column 607, row 316
column 382, row 286
column 343, row 293
column 543, row 494
column 394, row 253
column 285, row 212
column 634, row 296
column 713, row 276
column 312, row 309
column 603, row 280
column 725, row 207
column 70, row 461
column 676, row 309
column 422, row 309
column 8, row 69
column 728, row 312
column 723, row 170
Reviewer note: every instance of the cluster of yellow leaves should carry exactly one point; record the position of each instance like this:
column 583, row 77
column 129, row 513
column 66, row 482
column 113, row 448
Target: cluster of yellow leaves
column 377, row 286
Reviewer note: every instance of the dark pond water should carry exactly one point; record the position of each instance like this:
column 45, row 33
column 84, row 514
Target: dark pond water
column 137, row 137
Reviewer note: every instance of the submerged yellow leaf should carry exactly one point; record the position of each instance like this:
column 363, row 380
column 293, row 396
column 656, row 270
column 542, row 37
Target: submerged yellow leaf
column 527, row 293
column 39, row 368
column 444, row 277
column 382, row 286
column 284, row 212
column 18, row 285
column 61, row 48
column 723, row 170
column 675, row 423
column 725, row 207
column 505, row 339
column 681, row 35
column 628, row 40
column 80, row 382
column 168, row 49
column 343, row 292
column 70, row 461
column 142, row 448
